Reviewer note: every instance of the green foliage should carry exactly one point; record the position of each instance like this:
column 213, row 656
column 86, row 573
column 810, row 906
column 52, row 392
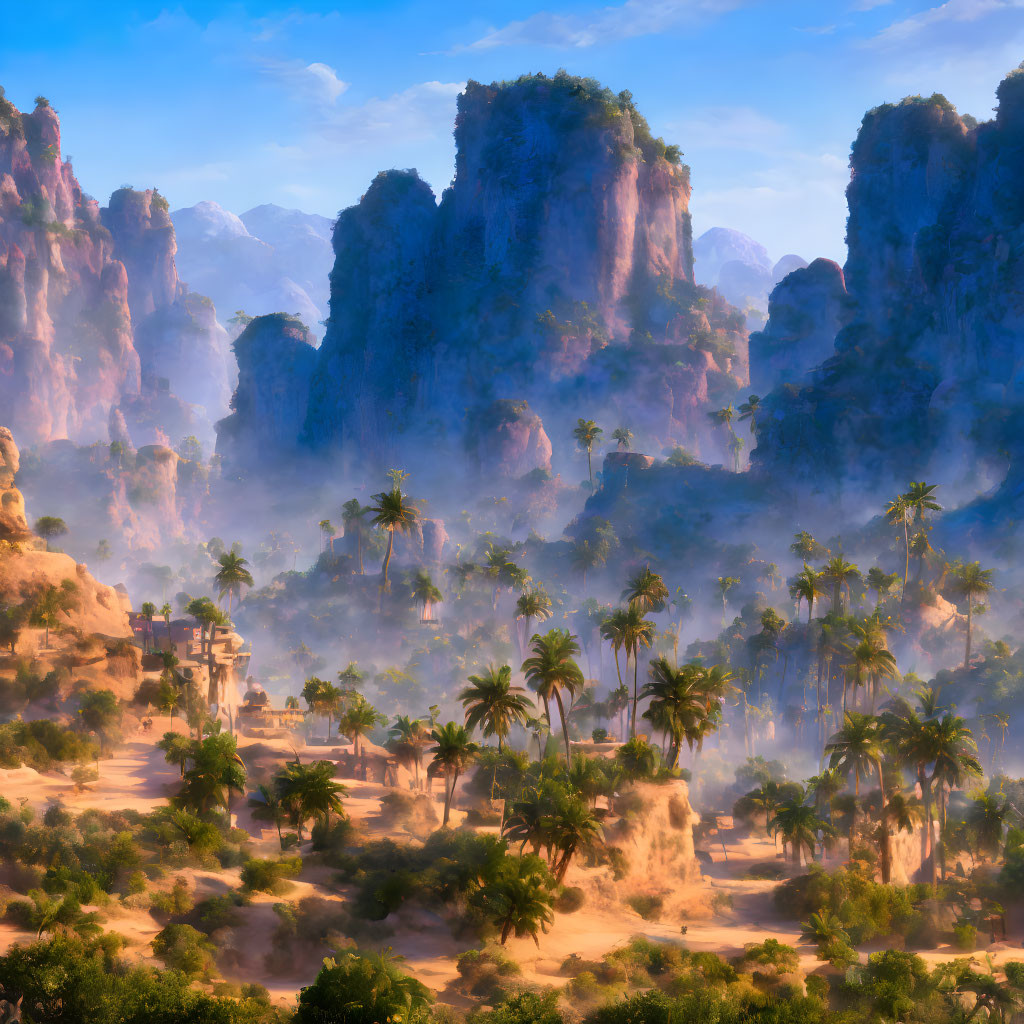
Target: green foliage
column 183, row 948
column 43, row 745
column 864, row 908
column 270, row 875
column 69, row 979
column 647, row 905
column 357, row 988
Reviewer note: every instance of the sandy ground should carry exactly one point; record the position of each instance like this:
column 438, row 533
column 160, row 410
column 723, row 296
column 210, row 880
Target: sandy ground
column 138, row 778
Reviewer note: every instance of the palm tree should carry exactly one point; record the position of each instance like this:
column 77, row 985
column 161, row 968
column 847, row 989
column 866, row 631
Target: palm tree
column 824, row 788
column 552, row 670
column 749, row 410
column 519, row 904
column 986, row 817
column 899, row 513
column 823, row 929
column 309, row 791
column 622, row 436
column 572, row 827
column 806, row 586
column 613, row 629
column 148, row 612
column 232, row 576
column 586, row 433
column 881, row 582
column 869, row 663
column 425, row 594
column 166, row 611
column 352, row 516
column 587, row 554
column 533, row 604
column 637, row 632
column 492, row 702
column 724, row 418
column 527, row 822
column 392, row 512
column 265, row 805
column 725, row 584
column 840, row 574
column 647, row 591
column 216, row 771
column 954, row 757
column 798, row 824
column 678, row 702
column 970, row 582
column 857, row 748
column 359, row 719
column 453, row 753
column 920, row 499
column 407, row 739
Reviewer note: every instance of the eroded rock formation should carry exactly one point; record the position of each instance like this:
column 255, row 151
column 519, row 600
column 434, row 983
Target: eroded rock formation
column 925, row 379
column 90, row 303
column 558, row 264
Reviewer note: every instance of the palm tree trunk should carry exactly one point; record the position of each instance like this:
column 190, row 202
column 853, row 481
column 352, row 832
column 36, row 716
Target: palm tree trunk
column 906, row 568
column 967, row 652
column 565, row 729
column 632, row 723
column 885, row 856
column 384, row 568
column 810, row 610
column 590, row 469
column 359, row 550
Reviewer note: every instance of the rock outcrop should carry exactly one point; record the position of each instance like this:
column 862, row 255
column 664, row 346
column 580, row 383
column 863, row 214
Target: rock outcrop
column 276, row 362
column 13, row 526
column 25, row 570
column 509, row 440
column 76, row 284
column 558, row 264
column 925, row 379
column 806, row 310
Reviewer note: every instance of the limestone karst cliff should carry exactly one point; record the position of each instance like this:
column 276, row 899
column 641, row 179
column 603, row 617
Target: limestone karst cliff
column 276, row 359
column 924, row 380
column 557, row 265
column 806, row 310
column 92, row 314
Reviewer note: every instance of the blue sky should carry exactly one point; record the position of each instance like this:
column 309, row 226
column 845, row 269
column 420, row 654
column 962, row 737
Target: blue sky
column 257, row 102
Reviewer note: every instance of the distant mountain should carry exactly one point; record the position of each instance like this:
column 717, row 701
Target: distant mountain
column 268, row 260
column 741, row 269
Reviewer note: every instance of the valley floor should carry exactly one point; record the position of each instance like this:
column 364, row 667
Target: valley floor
column 139, row 779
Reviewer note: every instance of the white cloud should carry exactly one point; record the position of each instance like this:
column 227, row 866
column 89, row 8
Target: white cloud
column 601, row 25
column 959, row 12
column 740, row 128
column 426, row 110
column 869, row 5
column 317, row 82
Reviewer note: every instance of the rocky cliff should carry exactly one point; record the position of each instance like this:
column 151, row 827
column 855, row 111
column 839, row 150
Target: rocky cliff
column 90, row 303
column 557, row 270
column 27, row 568
column 276, row 360
column 806, row 310
column 924, row 380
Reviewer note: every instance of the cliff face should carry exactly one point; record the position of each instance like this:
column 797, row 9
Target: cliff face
column 559, row 261
column 26, row 569
column 76, row 284
column 925, row 378
column 805, row 311
column 276, row 360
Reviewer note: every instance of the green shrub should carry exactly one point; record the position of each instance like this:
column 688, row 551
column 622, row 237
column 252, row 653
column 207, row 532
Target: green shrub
column 177, row 901
column 647, row 905
column 965, row 937
column 184, row 949
column 270, row 875
column 363, row 989
column 486, row 972
column 569, row 900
